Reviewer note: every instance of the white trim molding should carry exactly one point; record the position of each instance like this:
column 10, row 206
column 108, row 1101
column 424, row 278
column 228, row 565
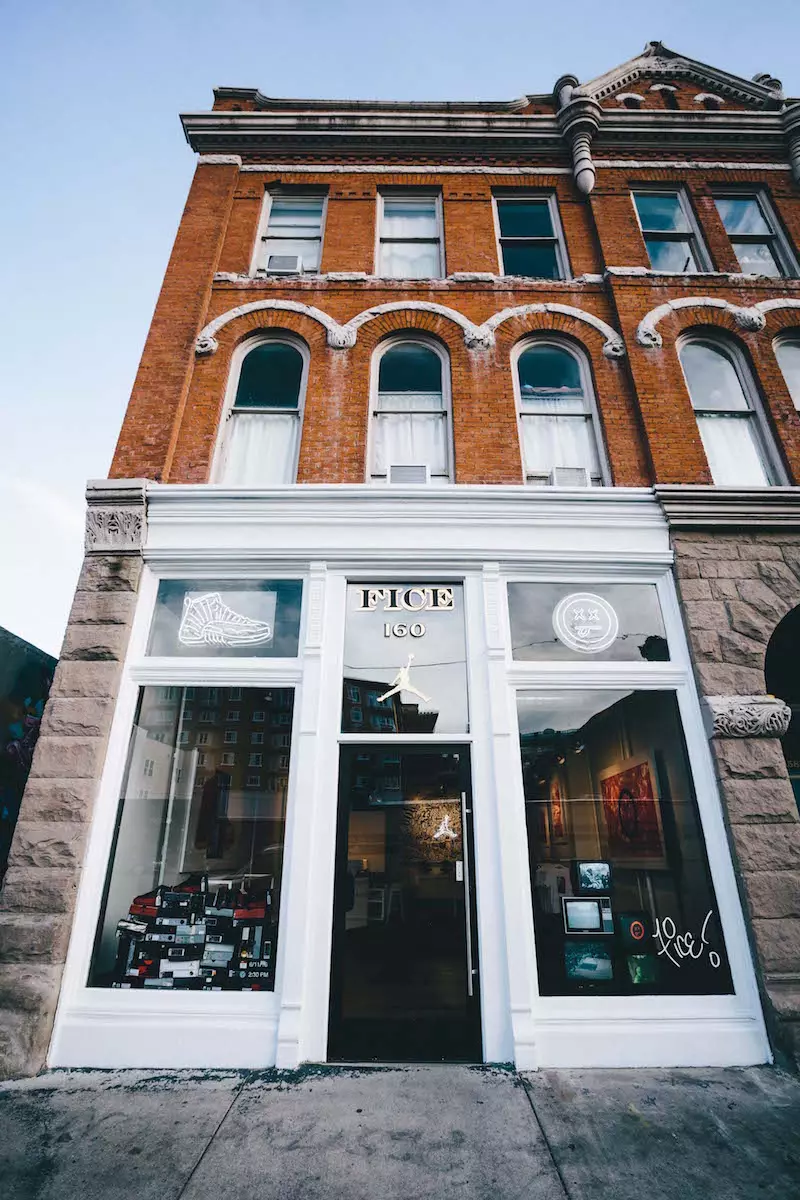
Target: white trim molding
column 116, row 521
column 343, row 337
column 219, row 160
column 746, row 716
column 752, row 319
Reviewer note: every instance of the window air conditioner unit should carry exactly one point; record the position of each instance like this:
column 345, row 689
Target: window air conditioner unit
column 284, row 264
column 569, row 477
column 408, row 474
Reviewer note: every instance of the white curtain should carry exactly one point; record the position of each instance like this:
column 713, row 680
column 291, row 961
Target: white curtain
column 261, row 449
column 732, row 450
column 410, row 429
column 409, row 260
column 554, row 439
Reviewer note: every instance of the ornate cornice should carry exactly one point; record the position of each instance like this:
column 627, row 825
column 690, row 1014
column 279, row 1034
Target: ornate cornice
column 700, row 506
column 343, row 337
column 752, row 319
column 746, row 716
column 116, row 521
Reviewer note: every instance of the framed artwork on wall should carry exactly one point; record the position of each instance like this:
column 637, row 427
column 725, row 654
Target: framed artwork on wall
column 558, row 810
column 632, row 814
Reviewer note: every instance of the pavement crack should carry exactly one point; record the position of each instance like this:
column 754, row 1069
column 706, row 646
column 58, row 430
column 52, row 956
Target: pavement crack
column 236, row 1093
column 553, row 1159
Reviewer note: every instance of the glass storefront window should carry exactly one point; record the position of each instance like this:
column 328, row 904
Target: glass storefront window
column 609, row 622
column 405, row 668
column 193, row 892
column 622, row 895
column 239, row 618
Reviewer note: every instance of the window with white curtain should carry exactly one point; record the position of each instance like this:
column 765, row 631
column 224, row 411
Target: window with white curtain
column 262, row 431
column 728, row 415
column 557, row 419
column 410, row 236
column 787, row 352
column 410, row 440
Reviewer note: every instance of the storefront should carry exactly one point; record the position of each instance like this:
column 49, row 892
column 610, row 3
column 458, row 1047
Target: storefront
column 384, row 788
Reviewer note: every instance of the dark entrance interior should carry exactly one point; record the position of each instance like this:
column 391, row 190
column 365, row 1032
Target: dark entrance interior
column 404, row 966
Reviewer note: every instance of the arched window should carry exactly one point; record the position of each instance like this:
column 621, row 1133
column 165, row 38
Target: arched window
column 782, row 676
column 787, row 352
column 728, row 415
column 261, row 437
column 557, row 418
column 410, row 440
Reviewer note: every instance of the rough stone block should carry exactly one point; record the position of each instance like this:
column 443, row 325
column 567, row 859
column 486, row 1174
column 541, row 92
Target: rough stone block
column 780, row 579
column 687, row 568
column 26, row 937
column 78, row 716
column 85, row 679
column 87, row 643
column 24, row 1038
column 705, row 614
column 743, row 651
column 773, row 894
column 723, row 679
column 718, row 549
column 67, row 757
column 723, row 589
column 110, row 573
column 756, row 592
column 28, row 989
column 48, row 844
column 102, row 608
column 695, row 589
column 778, row 943
column 747, row 620
column 759, row 800
column 767, row 847
column 759, row 548
column 750, row 758
column 26, row 889
column 58, row 799
column 704, row 644
column 726, row 568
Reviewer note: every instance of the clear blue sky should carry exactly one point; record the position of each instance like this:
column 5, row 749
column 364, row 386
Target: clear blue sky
column 96, row 172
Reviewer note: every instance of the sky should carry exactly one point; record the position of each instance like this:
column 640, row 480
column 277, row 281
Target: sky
column 97, row 171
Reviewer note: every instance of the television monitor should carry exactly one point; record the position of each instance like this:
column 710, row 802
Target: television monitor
column 592, row 876
column 584, row 915
column 643, row 969
column 588, row 962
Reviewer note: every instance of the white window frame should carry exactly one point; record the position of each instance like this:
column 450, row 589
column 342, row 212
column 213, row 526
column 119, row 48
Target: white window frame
column 777, row 239
column 258, row 260
column 693, row 236
column 412, row 194
column 788, row 337
column 765, row 442
column 587, row 383
column 558, row 239
column 234, row 374
column 447, row 405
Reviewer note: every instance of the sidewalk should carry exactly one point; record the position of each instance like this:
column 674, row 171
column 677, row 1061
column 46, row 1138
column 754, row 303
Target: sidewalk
column 404, row 1133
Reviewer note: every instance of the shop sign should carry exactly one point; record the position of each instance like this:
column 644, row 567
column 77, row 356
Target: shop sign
column 586, row 622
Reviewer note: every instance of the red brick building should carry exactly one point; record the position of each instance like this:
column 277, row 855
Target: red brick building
column 496, row 405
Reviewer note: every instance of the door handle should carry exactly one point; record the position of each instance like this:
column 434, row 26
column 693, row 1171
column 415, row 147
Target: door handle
column 471, row 972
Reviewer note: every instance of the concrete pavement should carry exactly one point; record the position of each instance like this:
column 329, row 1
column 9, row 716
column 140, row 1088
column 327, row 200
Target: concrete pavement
column 402, row 1133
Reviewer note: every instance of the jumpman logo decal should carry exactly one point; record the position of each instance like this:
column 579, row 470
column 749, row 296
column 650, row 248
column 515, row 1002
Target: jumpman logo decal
column 402, row 683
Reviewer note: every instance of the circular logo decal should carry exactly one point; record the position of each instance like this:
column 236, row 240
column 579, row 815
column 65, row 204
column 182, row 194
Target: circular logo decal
column 585, row 622
column 637, row 930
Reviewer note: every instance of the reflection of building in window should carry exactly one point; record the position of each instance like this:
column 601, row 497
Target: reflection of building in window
column 387, row 716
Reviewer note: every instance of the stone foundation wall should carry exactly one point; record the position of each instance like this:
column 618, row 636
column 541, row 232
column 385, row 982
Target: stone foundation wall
column 735, row 588
column 38, row 898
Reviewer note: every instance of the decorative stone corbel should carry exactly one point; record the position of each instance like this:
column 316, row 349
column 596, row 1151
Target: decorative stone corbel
column 791, row 125
column 578, row 118
column 116, row 519
column 745, row 716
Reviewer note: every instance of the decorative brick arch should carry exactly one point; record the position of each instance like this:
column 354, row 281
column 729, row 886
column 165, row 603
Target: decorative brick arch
column 751, row 320
column 343, row 337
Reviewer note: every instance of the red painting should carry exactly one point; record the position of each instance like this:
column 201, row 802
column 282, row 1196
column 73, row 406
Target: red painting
column 557, row 815
column 632, row 814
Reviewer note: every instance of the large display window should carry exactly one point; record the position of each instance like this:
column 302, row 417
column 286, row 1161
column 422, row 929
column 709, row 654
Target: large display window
column 622, row 894
column 192, row 897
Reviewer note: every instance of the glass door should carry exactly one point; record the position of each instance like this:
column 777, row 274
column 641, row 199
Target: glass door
column 404, row 967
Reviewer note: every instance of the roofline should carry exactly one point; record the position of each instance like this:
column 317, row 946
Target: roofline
column 294, row 104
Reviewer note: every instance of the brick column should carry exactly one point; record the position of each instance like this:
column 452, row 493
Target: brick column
column 736, row 582
column 38, row 898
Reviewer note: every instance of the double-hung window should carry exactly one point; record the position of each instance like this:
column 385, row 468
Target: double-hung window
column 530, row 237
column 410, row 440
column 670, row 232
column 261, row 437
column 728, row 415
column 556, row 414
column 292, row 240
column 755, row 236
column 787, row 352
column 410, row 236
